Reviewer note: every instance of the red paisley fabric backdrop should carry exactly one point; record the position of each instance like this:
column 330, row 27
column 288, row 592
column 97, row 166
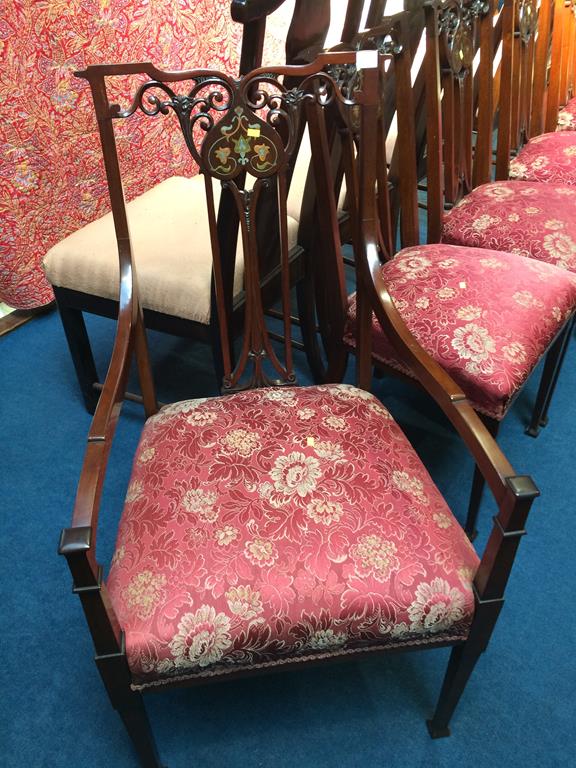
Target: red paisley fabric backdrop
column 51, row 176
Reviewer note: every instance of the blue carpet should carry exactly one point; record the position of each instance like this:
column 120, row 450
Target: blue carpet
column 518, row 709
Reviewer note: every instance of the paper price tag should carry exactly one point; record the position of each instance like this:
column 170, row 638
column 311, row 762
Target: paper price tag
column 367, row 59
column 254, row 132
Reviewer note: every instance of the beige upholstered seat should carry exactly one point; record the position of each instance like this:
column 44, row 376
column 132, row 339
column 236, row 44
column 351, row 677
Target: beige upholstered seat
column 171, row 242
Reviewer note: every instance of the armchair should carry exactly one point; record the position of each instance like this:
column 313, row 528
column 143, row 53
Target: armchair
column 236, row 502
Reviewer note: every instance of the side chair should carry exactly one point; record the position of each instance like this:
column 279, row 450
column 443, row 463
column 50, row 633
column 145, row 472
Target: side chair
column 546, row 157
column 486, row 332
column 238, row 504
column 522, row 217
column 175, row 272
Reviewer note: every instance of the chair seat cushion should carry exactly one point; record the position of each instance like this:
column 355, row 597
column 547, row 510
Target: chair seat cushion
column 549, row 158
column 567, row 117
column 522, row 217
column 276, row 525
column 171, row 246
column 486, row 317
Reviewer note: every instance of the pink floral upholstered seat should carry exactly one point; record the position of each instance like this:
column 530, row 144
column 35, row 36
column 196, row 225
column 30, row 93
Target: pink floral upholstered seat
column 549, row 158
column 526, row 218
column 282, row 524
column 567, row 117
column 486, row 317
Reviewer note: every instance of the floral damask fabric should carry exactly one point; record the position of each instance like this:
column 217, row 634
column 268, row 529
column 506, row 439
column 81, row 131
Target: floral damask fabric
column 51, row 174
column 567, row 117
column 549, row 158
column 280, row 524
column 526, row 218
column 486, row 317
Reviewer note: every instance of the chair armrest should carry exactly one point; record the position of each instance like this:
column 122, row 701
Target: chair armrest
column 514, row 494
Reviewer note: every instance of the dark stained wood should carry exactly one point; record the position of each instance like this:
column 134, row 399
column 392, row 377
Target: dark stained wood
column 308, row 30
column 567, row 43
column 505, row 122
column 434, row 136
column 554, row 96
column 483, row 150
column 538, row 109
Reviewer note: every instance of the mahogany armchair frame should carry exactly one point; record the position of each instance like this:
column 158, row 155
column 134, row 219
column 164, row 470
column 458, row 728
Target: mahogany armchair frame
column 513, row 494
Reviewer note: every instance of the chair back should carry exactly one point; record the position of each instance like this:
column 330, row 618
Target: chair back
column 520, row 24
column 243, row 135
column 452, row 29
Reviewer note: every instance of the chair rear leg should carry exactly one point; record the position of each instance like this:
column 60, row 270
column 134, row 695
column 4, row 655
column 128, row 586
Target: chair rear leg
column 307, row 315
column 81, row 353
column 550, row 374
column 330, row 367
column 478, row 487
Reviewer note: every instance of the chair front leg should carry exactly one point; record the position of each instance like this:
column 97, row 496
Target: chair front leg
column 462, row 661
column 461, row 664
column 116, row 677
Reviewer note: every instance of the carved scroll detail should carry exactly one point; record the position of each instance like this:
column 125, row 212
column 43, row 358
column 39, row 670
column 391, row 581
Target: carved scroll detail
column 456, row 23
column 527, row 20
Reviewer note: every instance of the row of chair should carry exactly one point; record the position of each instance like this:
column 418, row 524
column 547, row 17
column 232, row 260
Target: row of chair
column 242, row 507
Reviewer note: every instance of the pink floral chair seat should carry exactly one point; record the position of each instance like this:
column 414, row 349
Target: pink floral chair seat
column 486, row 317
column 567, row 117
column 277, row 525
column 526, row 218
column 549, row 158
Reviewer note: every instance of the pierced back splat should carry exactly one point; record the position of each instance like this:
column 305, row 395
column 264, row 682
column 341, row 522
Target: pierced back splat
column 451, row 37
column 241, row 144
